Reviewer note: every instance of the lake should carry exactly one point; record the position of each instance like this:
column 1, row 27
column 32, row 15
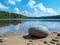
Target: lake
column 11, row 27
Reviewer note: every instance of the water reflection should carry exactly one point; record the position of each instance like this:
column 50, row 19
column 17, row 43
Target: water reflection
column 8, row 22
column 9, row 27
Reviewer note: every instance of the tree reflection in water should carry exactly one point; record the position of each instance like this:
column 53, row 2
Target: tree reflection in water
column 8, row 22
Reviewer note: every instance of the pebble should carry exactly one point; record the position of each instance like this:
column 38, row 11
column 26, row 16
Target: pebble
column 58, row 34
column 55, row 40
column 30, row 40
column 54, row 32
column 52, row 42
column 29, row 44
column 45, row 42
column 1, row 40
column 56, row 37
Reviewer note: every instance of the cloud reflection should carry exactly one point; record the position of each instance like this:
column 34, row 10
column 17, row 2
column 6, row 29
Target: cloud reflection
column 26, row 25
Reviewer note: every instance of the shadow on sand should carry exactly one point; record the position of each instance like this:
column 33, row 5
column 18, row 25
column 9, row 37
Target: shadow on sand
column 32, row 37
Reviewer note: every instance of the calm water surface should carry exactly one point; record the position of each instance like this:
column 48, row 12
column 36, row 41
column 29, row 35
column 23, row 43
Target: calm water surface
column 9, row 27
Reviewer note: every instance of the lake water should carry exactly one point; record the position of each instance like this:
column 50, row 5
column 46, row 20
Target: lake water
column 10, row 27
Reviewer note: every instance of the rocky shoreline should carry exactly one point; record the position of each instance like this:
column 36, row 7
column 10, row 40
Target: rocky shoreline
column 24, row 39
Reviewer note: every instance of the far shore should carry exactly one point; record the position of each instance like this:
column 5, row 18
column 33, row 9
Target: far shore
column 31, row 19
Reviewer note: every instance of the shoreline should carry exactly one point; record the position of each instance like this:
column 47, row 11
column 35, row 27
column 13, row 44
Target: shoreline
column 24, row 39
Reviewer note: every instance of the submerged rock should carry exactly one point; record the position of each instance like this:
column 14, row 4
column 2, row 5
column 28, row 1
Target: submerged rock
column 38, row 31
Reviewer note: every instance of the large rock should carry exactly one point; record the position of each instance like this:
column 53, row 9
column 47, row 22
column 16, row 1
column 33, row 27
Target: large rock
column 38, row 31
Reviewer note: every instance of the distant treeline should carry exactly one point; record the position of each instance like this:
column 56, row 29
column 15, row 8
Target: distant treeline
column 10, row 15
column 52, row 17
column 46, row 17
column 14, row 15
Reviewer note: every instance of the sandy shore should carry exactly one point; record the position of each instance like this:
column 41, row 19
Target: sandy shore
column 25, row 39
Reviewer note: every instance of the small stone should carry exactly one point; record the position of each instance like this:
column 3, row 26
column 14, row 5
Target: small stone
column 54, row 32
column 29, row 44
column 55, row 40
column 1, row 40
column 58, row 34
column 30, row 40
column 45, row 42
column 56, row 37
column 52, row 42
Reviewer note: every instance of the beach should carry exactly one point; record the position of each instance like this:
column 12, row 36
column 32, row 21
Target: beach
column 25, row 39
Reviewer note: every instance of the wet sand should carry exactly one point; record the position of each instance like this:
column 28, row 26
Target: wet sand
column 25, row 39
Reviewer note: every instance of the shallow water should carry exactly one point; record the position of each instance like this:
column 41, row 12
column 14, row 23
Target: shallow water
column 10, row 27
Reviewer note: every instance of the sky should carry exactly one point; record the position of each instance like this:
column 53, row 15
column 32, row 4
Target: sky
column 31, row 8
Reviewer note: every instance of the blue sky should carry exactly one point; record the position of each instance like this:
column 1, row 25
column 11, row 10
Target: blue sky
column 35, row 8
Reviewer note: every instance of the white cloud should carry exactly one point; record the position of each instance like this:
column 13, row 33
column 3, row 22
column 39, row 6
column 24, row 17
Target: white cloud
column 50, row 10
column 16, row 10
column 44, row 9
column 41, row 10
column 18, row 0
column 36, row 12
column 25, row 12
column 31, row 3
column 2, row 6
column 41, row 7
column 11, row 2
